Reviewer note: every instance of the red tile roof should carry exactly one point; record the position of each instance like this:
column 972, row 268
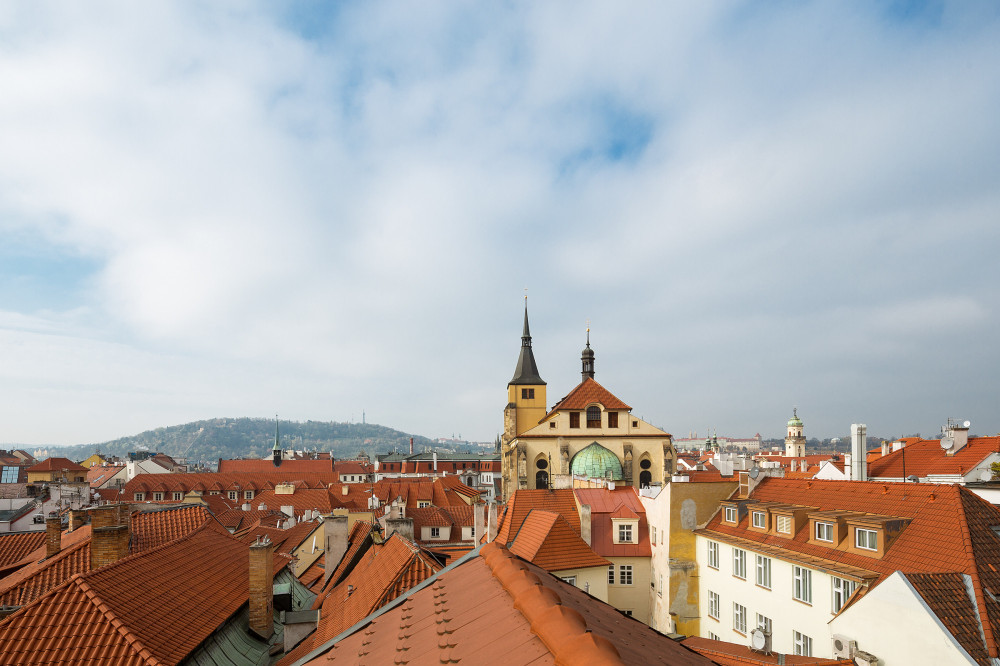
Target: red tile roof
column 949, row 531
column 587, row 393
column 57, row 465
column 604, row 504
column 520, row 504
column 15, row 546
column 152, row 608
column 312, row 577
column 384, row 572
column 154, row 527
column 925, row 456
column 497, row 609
column 547, row 540
column 734, row 654
column 358, row 541
column 947, row 597
column 285, row 540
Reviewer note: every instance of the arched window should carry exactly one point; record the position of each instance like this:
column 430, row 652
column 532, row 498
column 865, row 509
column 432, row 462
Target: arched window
column 594, row 417
column 645, row 478
column 542, row 480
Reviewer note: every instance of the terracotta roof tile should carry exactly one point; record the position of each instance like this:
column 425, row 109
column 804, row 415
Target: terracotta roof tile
column 604, row 504
column 587, row 393
column 267, row 465
column 947, row 596
column 15, row 546
column 521, row 503
column 734, row 654
column 925, row 456
column 57, row 465
column 547, row 540
column 496, row 609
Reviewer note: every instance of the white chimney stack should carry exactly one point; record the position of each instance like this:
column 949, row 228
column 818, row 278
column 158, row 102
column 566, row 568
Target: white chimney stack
column 859, row 458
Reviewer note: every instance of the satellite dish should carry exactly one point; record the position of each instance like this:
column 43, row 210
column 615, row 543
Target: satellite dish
column 757, row 639
column 986, row 475
column 967, row 424
column 754, row 472
column 947, row 443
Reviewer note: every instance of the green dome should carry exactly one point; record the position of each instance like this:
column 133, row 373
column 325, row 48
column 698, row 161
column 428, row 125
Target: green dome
column 596, row 461
column 795, row 420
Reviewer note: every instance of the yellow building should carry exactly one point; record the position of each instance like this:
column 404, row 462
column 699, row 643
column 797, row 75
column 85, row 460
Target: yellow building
column 588, row 434
column 94, row 460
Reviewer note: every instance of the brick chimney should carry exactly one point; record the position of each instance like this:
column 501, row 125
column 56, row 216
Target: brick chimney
column 334, row 544
column 53, row 536
column 109, row 534
column 262, row 587
column 77, row 519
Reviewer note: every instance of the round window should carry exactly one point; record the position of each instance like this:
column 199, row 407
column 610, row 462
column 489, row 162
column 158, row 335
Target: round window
column 542, row 463
column 644, row 464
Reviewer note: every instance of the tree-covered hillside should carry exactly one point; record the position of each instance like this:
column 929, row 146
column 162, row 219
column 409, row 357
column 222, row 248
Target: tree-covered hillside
column 253, row 438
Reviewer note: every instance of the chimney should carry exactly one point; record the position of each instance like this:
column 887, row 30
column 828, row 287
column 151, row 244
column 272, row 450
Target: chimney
column 411, row 446
column 848, row 470
column 491, row 523
column 960, row 435
column 435, row 456
column 334, row 543
column 109, row 534
column 859, row 461
column 885, row 447
column 77, row 519
column 53, row 535
column 262, row 588
column 478, row 521
column 585, row 523
column 404, row 526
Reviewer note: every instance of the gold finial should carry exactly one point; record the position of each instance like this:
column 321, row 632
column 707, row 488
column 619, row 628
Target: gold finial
column 525, row 294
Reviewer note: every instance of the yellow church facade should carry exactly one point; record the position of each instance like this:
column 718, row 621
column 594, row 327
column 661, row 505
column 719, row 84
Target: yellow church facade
column 588, row 435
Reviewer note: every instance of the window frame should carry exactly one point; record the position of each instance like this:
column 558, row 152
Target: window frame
column 764, row 623
column 611, row 574
column 763, row 568
column 784, row 521
column 435, row 532
column 714, row 603
column 731, row 515
column 177, row 496
column 802, row 584
column 763, row 519
column 840, row 589
column 612, row 419
column 625, row 533
column 139, row 497
column 593, row 422
column 823, row 527
column 739, row 618
column 740, row 563
column 713, row 554
column 574, row 419
column 801, row 644
column 625, row 574
column 873, row 534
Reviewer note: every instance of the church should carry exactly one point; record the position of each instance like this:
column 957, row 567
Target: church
column 588, row 435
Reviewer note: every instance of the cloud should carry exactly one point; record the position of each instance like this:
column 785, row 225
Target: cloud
column 347, row 203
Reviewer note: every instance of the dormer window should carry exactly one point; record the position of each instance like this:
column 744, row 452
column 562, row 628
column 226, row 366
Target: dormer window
column 593, row 417
column 760, row 520
column 422, row 504
column 625, row 533
column 731, row 514
column 866, row 539
column 784, row 524
column 824, row 532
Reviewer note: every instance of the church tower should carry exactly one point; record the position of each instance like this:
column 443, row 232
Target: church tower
column 587, row 360
column 795, row 441
column 526, row 391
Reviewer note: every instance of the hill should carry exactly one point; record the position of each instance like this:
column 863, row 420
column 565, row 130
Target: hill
column 212, row 439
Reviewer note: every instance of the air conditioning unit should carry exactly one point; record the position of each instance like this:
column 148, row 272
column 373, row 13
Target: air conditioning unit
column 760, row 641
column 844, row 647
column 862, row 658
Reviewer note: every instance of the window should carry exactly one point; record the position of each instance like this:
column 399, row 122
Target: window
column 866, row 539
column 764, row 571
column 157, row 497
column 574, row 419
column 435, row 532
column 802, row 587
column 842, row 589
column 713, row 604
column 233, row 494
column 759, row 519
column 625, row 532
column 552, row 424
column 659, row 590
column 784, row 524
column 635, row 424
column 423, row 504
column 178, row 496
column 763, row 623
column 713, row 554
column 739, row 618
column 730, row 514
column 612, row 419
column 569, row 579
column 739, row 563
column 624, row 574
column 593, row 417
column 140, row 497
column 824, row 532
column 611, row 574
column 713, row 637
column 9, row 474
column 803, row 645
column 527, row 394
column 652, row 536
column 628, row 612
column 248, row 494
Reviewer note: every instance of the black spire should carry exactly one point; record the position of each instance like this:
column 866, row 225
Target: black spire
column 276, row 450
column 587, row 359
column 526, row 371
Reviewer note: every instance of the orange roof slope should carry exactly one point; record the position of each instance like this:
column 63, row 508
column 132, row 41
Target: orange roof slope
column 587, row 393
column 622, row 502
column 154, row 527
column 925, row 456
column 267, row 465
column 384, row 573
column 947, row 597
column 522, row 502
column 15, row 546
column 547, row 540
column 57, row 465
column 150, row 608
column 493, row 608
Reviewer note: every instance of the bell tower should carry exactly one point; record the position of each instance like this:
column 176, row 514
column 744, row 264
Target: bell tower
column 795, row 441
column 526, row 391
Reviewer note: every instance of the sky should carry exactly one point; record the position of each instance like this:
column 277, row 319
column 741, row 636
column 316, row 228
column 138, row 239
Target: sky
column 332, row 211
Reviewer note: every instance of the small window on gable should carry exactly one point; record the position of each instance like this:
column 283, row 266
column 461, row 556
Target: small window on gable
column 157, row 497
column 635, row 424
column 552, row 424
column 422, row 504
column 178, row 496
column 593, row 417
column 435, row 532
column 574, row 419
column 612, row 419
